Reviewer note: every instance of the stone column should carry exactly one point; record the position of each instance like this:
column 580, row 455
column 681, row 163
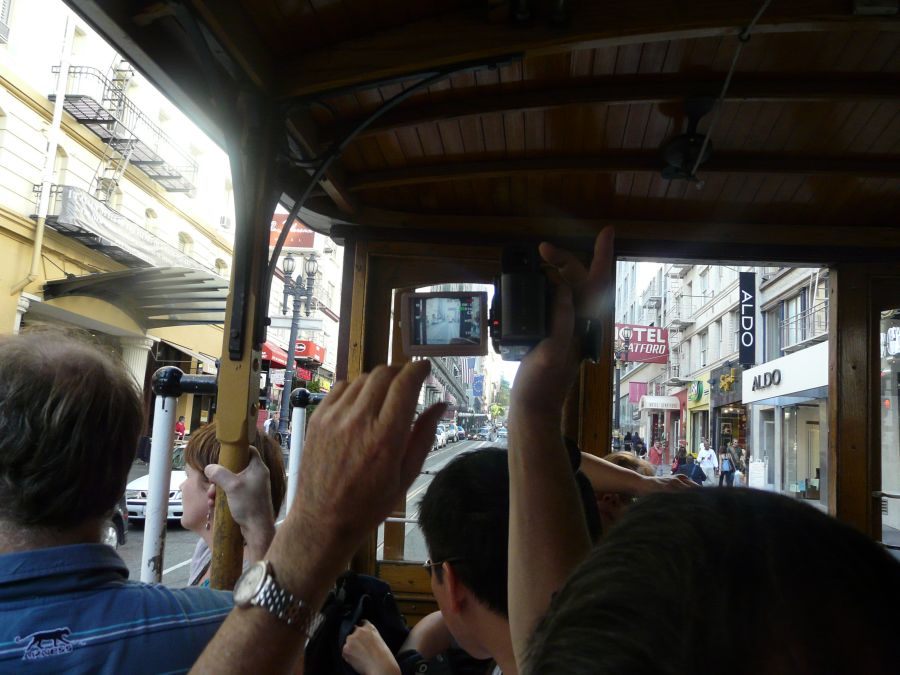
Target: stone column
column 134, row 353
column 21, row 307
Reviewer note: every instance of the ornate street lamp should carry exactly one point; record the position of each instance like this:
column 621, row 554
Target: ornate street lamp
column 299, row 290
column 620, row 350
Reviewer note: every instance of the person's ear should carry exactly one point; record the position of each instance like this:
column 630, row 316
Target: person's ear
column 457, row 593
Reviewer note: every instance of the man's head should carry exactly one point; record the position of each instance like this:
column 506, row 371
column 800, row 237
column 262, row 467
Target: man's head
column 70, row 416
column 689, row 458
column 654, row 565
column 464, row 516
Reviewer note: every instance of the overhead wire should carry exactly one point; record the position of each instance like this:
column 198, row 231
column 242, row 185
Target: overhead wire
column 743, row 38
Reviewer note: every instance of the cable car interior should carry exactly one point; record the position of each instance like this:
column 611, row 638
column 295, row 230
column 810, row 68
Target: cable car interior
column 427, row 136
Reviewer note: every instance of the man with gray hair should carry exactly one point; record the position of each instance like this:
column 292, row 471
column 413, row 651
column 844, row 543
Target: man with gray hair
column 70, row 416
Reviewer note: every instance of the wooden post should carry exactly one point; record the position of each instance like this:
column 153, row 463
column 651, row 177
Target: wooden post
column 238, row 401
column 395, row 533
column 850, row 403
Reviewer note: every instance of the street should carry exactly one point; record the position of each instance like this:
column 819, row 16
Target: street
column 441, row 333
column 180, row 542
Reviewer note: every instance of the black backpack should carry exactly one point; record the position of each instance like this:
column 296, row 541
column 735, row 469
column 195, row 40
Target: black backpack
column 354, row 598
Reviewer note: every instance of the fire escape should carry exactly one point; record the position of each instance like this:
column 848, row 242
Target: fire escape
column 101, row 103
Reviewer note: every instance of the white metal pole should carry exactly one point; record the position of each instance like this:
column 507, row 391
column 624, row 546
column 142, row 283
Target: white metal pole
column 298, row 432
column 157, row 507
column 43, row 206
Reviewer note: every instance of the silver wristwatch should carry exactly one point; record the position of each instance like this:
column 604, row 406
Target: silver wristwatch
column 257, row 587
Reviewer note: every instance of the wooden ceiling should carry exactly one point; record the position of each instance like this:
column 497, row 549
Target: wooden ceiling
column 555, row 124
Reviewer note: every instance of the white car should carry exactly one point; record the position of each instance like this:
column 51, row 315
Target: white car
column 136, row 491
column 442, row 434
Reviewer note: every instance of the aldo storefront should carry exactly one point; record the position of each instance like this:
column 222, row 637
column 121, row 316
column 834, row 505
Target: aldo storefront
column 788, row 399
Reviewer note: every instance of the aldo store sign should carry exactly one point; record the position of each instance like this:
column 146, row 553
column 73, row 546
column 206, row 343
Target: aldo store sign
column 766, row 380
column 747, row 317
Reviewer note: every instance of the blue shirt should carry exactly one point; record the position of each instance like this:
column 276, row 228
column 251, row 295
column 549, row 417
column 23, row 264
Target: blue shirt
column 72, row 609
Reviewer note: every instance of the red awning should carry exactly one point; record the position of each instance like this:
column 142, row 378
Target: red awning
column 275, row 354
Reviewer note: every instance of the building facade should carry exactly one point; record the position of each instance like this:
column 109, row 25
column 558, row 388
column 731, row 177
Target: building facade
column 129, row 186
column 773, row 404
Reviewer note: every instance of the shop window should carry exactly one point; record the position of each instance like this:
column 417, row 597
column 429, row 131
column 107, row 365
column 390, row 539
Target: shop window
column 772, row 327
column 704, row 348
column 720, row 335
column 185, row 243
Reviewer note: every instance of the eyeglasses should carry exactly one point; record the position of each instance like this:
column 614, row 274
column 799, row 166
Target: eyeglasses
column 430, row 564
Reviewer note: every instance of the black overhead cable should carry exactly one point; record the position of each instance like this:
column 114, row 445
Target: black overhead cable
column 743, row 38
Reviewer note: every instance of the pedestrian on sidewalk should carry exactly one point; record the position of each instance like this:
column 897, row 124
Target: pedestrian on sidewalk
column 727, row 466
column 656, row 459
column 708, row 462
column 692, row 470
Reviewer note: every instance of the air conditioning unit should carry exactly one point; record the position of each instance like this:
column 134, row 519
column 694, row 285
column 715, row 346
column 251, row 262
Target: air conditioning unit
column 225, row 222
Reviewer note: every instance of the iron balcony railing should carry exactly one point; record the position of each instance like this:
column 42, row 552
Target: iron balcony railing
column 102, row 106
column 809, row 325
column 75, row 213
column 680, row 309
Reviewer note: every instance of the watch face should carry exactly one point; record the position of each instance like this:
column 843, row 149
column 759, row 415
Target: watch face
column 248, row 585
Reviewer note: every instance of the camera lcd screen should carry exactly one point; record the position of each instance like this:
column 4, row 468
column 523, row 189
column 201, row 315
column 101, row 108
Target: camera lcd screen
column 445, row 323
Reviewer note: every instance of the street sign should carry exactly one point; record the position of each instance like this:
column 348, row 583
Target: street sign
column 478, row 386
column 302, row 324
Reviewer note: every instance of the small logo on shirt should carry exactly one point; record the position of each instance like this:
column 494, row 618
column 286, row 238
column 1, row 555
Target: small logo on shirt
column 46, row 643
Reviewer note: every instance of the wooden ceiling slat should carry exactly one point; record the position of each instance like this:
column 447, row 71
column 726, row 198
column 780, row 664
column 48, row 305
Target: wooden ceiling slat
column 492, row 129
column 451, row 138
column 410, row 145
column 616, row 122
column 636, row 126
column 882, row 53
column 659, row 129
column 874, row 133
column 473, row 137
column 582, row 64
column 594, row 132
column 643, row 89
column 430, row 139
column 846, row 137
column 604, row 61
column 766, row 117
column 371, row 153
column 514, row 133
column 653, row 56
column 628, row 59
column 518, row 195
column 853, row 56
column 720, row 163
column 675, row 51
column 390, row 148
column 534, row 132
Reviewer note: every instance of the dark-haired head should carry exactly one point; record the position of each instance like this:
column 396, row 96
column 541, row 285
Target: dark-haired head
column 464, row 516
column 70, row 416
column 795, row 592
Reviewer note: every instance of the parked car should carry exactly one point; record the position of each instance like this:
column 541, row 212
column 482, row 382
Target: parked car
column 136, row 491
column 501, row 434
column 115, row 533
column 460, row 433
column 443, row 434
column 451, row 432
